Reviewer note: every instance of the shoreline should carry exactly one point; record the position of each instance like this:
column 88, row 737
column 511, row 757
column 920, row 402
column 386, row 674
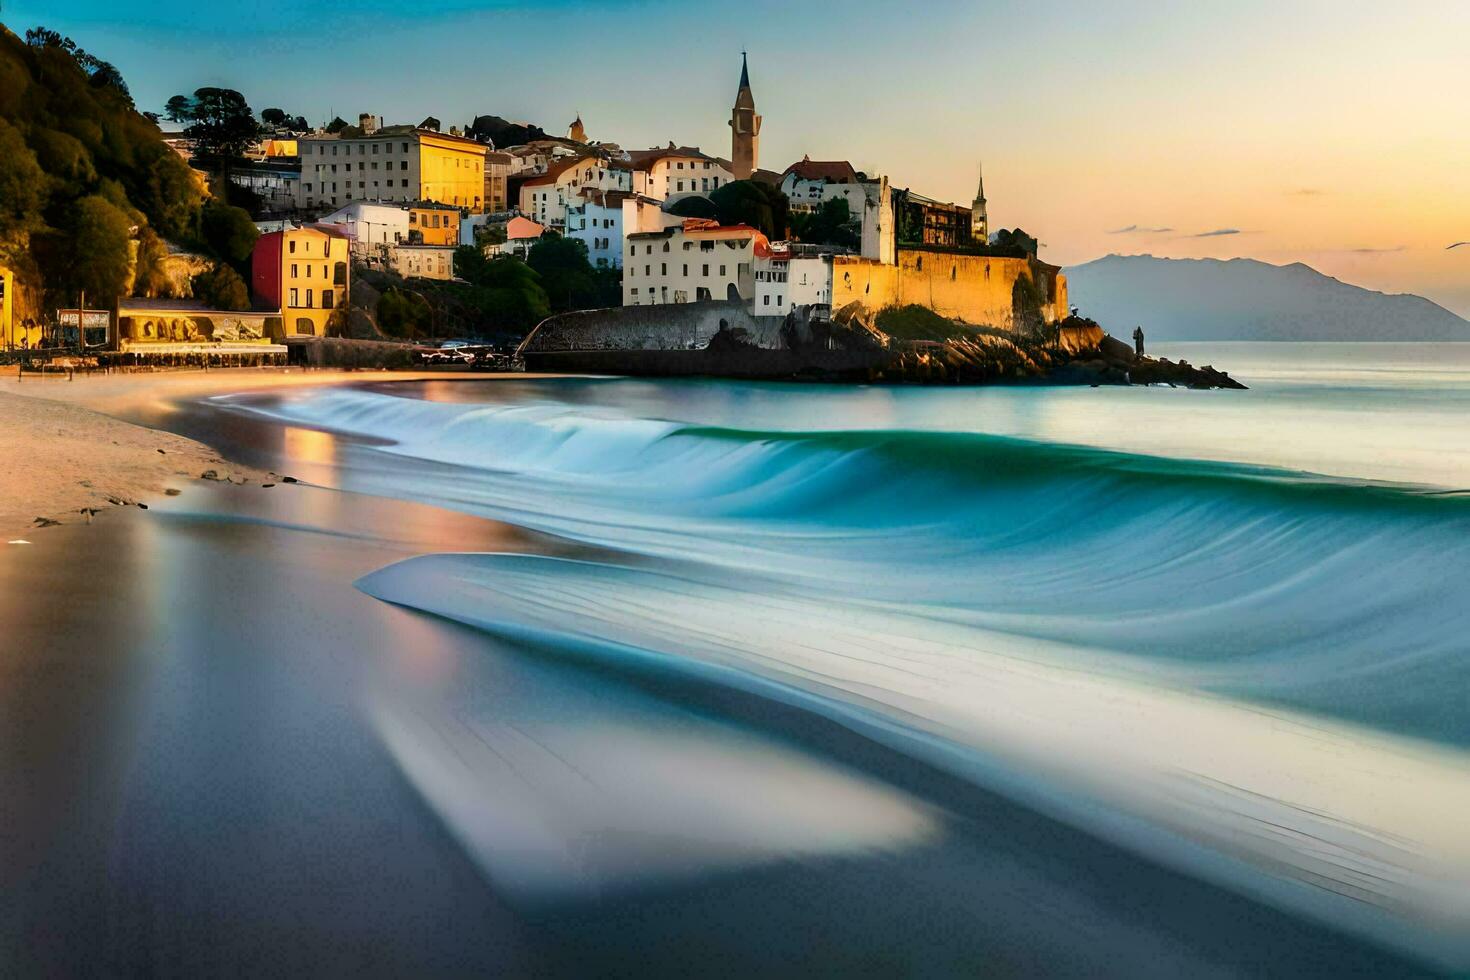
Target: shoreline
column 77, row 449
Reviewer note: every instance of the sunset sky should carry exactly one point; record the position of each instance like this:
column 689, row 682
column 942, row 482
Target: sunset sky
column 1332, row 133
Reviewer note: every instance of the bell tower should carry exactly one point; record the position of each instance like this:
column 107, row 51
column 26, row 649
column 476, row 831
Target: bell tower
column 745, row 128
column 979, row 219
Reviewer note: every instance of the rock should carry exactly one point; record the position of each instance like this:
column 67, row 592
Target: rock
column 172, row 492
column 289, row 479
column 45, row 522
column 266, row 486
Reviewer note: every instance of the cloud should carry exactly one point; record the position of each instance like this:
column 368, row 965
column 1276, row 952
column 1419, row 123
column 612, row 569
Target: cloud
column 1307, row 192
column 1216, row 233
column 1377, row 251
column 1138, row 230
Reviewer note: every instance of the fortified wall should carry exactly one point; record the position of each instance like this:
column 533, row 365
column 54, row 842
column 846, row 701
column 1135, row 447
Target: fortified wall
column 977, row 289
column 671, row 326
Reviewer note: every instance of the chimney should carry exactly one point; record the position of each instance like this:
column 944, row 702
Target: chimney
column 367, row 123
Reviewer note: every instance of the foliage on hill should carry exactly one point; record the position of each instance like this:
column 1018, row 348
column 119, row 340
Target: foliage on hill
column 740, row 202
column 570, row 281
column 754, row 203
column 914, row 322
column 83, row 174
column 830, row 224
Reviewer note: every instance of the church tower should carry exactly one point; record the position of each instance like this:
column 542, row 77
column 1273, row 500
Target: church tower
column 745, row 129
column 576, row 131
column 979, row 220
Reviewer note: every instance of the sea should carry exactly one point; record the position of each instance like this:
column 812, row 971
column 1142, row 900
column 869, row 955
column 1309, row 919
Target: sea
column 791, row 678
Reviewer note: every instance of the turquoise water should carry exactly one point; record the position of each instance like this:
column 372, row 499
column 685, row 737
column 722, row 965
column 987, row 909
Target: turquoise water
column 1225, row 630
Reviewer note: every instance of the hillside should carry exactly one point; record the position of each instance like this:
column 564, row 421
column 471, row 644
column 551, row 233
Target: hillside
column 1243, row 299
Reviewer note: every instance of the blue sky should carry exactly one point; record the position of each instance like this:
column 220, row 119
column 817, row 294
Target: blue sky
column 1313, row 130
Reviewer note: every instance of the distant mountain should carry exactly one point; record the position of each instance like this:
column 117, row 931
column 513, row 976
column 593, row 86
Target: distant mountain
column 1242, row 299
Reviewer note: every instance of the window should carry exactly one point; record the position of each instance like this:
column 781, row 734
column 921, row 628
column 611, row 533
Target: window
column 405, row 182
column 405, row 147
column 308, row 297
column 326, row 299
column 402, row 164
column 706, row 270
column 722, row 270
column 291, row 246
column 686, row 268
column 294, row 299
column 766, row 300
column 663, row 268
column 648, row 270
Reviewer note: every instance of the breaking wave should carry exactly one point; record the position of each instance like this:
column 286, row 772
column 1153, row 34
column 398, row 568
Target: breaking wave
column 1266, row 668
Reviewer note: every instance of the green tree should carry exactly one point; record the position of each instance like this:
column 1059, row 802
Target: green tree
column 336, row 125
column 566, row 275
column 403, row 314
column 149, row 275
column 227, row 232
column 273, row 116
column 22, row 184
column 694, row 206
column 1006, row 238
column 178, row 108
column 97, row 238
column 221, row 124
column 829, row 224
column 754, row 203
column 222, row 288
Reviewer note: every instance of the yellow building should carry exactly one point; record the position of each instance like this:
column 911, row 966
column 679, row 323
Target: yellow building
column 977, row 289
column 402, row 164
column 13, row 332
column 452, row 171
column 303, row 273
column 436, row 226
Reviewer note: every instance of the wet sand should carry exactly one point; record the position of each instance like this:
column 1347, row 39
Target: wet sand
column 195, row 779
column 70, row 456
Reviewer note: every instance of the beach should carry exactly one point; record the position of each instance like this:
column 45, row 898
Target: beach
column 573, row 675
column 71, row 454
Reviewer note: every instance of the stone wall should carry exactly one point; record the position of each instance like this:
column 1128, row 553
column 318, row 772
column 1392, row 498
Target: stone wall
column 974, row 288
column 673, row 326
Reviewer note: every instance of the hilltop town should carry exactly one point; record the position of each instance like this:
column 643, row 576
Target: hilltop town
column 388, row 232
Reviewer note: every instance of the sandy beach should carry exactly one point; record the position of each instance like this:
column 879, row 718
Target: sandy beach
column 71, row 453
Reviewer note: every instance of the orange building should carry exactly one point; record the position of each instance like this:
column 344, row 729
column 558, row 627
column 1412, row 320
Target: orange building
column 435, row 225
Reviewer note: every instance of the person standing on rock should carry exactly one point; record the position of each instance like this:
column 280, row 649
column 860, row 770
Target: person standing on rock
column 1138, row 340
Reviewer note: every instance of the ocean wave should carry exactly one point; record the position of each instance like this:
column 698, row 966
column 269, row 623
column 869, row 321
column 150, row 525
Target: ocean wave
column 1341, row 597
column 1355, row 827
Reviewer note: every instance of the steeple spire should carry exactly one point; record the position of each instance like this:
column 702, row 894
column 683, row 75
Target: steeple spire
column 745, row 128
column 979, row 217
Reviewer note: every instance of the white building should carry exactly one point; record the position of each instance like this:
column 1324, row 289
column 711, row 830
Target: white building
column 422, row 261
column 546, row 197
column 694, row 261
column 788, row 276
column 677, row 172
column 809, row 183
column 596, row 219
column 370, row 226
